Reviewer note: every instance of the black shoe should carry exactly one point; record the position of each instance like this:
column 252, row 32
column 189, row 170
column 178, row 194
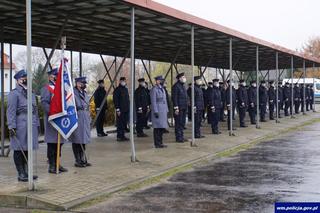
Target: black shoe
column 127, row 130
column 166, row 131
column 244, row 126
column 147, row 127
column 233, row 129
column 22, row 177
column 88, row 164
column 253, row 123
column 123, row 139
column 200, row 136
column 263, row 120
column 100, row 135
column 184, row 127
column 62, row 169
column 271, row 119
column 180, row 141
column 223, row 120
column 142, row 135
column 216, row 132
column 52, row 169
column 79, row 164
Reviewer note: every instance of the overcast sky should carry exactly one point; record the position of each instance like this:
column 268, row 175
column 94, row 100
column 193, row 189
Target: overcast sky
column 289, row 23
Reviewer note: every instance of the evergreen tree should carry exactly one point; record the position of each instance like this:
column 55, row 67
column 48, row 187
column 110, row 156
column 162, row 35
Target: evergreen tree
column 39, row 79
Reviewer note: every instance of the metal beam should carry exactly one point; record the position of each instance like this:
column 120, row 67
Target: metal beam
column 258, row 85
column 314, row 98
column 148, row 74
column 107, row 70
column 10, row 52
column 29, row 94
column 277, row 87
column 55, row 44
column 47, row 57
column 2, row 93
column 192, row 87
column 304, row 87
column 292, row 87
column 132, row 78
column 230, row 88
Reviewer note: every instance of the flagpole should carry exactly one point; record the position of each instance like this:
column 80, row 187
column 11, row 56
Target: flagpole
column 58, row 154
column 63, row 43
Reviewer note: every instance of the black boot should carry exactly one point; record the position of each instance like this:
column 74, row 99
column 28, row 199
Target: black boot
column 25, row 166
column 84, row 156
column 18, row 161
column 77, row 155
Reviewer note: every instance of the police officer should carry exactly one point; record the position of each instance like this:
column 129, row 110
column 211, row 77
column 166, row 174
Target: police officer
column 142, row 102
column 215, row 105
column 164, row 85
column 263, row 100
column 203, row 88
column 198, row 106
column 296, row 98
column 180, row 104
column 207, row 95
column 99, row 96
column 50, row 133
column 81, row 136
column 159, row 109
column 252, row 100
column 17, row 125
column 234, row 102
column 242, row 97
column 121, row 102
column 189, row 90
column 280, row 98
column 287, row 99
column 223, row 100
column 307, row 96
column 311, row 97
column 301, row 97
column 272, row 99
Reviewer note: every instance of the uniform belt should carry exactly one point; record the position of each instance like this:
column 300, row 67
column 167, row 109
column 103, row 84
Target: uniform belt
column 83, row 109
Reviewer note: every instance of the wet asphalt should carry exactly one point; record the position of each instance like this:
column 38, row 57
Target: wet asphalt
column 283, row 169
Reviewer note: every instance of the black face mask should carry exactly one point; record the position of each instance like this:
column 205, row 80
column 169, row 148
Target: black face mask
column 25, row 82
column 83, row 86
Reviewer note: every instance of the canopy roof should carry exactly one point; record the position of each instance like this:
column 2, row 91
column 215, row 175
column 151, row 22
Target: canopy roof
column 162, row 33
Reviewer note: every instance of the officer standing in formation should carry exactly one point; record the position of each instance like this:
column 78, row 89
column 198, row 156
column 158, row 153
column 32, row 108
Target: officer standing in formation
column 263, row 100
column 311, row 96
column 296, row 98
column 242, row 96
column 280, row 98
column 121, row 103
column 50, row 133
column 198, row 106
column 228, row 103
column 99, row 96
column 180, row 106
column 215, row 106
column 82, row 135
column 287, row 99
column 17, row 124
column 159, row 109
column 252, row 100
column 142, row 102
column 272, row 99
column 307, row 96
column 207, row 95
column 223, row 100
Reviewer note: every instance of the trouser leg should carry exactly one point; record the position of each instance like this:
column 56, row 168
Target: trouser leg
column 242, row 114
column 140, row 123
column 271, row 111
column 121, row 125
column 215, row 121
column 100, row 122
column 197, row 123
column 157, row 137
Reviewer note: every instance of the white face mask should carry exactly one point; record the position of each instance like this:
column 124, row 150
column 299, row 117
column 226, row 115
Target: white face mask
column 264, row 85
column 183, row 79
column 123, row 83
column 198, row 82
column 210, row 85
column 243, row 84
column 272, row 85
column 216, row 84
column 165, row 85
column 254, row 85
column 143, row 84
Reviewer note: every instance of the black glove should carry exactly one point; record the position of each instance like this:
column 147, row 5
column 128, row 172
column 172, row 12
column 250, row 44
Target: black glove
column 156, row 115
column 12, row 132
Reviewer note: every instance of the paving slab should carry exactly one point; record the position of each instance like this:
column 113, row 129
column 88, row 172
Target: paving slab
column 112, row 169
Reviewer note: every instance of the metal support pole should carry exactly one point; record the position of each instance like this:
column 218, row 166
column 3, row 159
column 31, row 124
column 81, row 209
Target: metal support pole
column 304, row 87
column 172, row 116
column 47, row 57
column 192, row 87
column 230, row 88
column 258, row 85
column 277, row 87
column 132, row 78
column 10, row 75
column 71, row 65
column 80, row 63
column 292, row 87
column 2, row 94
column 314, row 98
column 29, row 95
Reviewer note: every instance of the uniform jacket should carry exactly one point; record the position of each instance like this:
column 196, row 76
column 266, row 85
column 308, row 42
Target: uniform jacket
column 287, row 93
column 252, row 95
column 99, row 96
column 234, row 97
column 263, row 95
column 159, row 105
column 142, row 98
column 214, row 98
column 242, row 96
column 82, row 134
column 121, row 98
column 17, row 119
column 296, row 93
column 198, row 98
column 272, row 94
column 179, row 96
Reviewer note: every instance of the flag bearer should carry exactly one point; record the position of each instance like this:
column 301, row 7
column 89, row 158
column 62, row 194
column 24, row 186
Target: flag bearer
column 17, row 124
column 50, row 133
column 81, row 136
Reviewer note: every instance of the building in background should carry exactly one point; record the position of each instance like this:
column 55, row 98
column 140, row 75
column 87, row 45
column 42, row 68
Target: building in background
column 7, row 79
